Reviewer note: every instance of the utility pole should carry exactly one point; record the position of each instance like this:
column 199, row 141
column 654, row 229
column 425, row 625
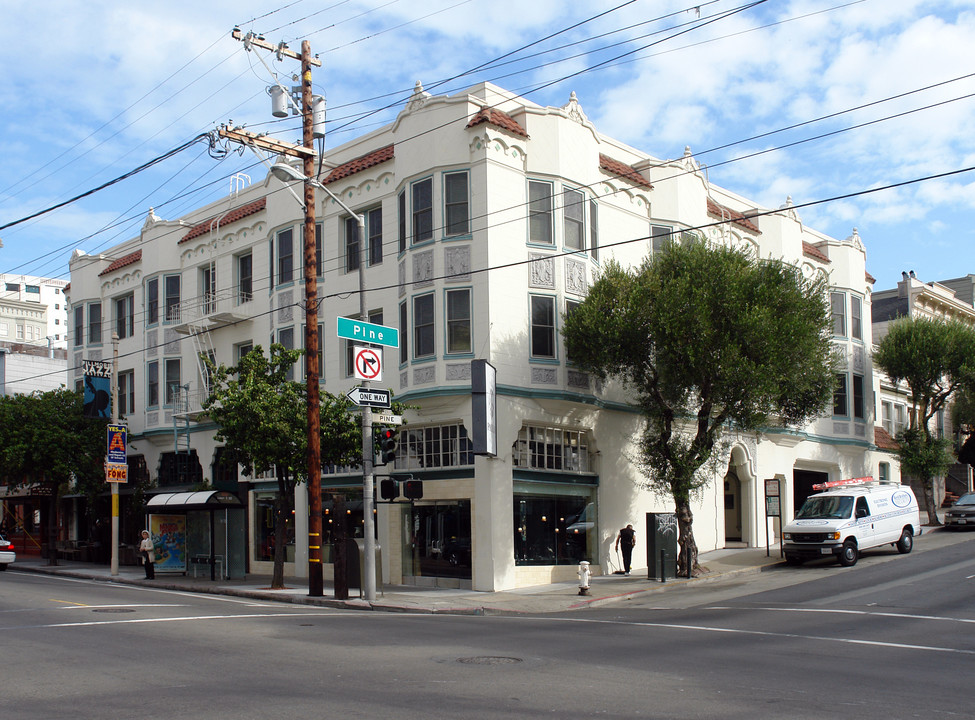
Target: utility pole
column 115, row 500
column 315, row 572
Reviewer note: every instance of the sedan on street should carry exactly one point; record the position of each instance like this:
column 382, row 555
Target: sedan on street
column 962, row 513
column 7, row 554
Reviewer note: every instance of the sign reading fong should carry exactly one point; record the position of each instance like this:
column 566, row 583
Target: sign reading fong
column 367, row 332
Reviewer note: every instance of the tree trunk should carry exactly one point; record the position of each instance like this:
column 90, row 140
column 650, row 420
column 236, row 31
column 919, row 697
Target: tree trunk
column 929, row 504
column 280, row 531
column 52, row 528
column 685, row 540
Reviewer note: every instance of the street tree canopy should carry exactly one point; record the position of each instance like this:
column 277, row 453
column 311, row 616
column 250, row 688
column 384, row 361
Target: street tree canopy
column 705, row 336
column 935, row 359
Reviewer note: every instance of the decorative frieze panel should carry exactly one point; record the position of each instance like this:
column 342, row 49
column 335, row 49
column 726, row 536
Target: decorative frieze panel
column 461, row 371
column 152, row 418
column 577, row 380
column 576, row 281
column 544, row 376
column 841, row 428
column 424, row 375
column 171, row 340
column 859, row 359
column 401, row 278
column 541, row 271
column 152, row 343
column 78, row 359
column 457, row 263
column 286, row 307
column 423, row 268
column 404, row 379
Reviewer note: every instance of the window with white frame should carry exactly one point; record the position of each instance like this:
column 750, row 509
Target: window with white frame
column 840, row 401
column 125, row 316
column 152, row 301
column 319, row 262
column 173, row 384
column 286, row 337
column 570, row 307
column 456, row 204
column 540, row 212
column 401, row 220
column 837, row 304
column 172, row 297
column 541, row 447
column 126, row 393
column 856, row 318
column 436, row 446
column 887, row 416
column 152, row 384
column 900, row 420
column 351, row 244
column 404, row 333
column 594, row 229
column 422, row 210
column 542, row 326
column 459, row 321
column 94, row 323
column 4, row 329
column 208, row 287
column 424, row 337
column 242, row 349
column 859, row 406
column 573, row 219
column 245, row 278
column 374, row 229
column 79, row 326
column 883, row 472
column 285, row 256
column 660, row 235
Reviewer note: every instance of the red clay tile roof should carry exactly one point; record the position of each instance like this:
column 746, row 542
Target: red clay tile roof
column 869, row 278
column 67, row 287
column 500, row 119
column 736, row 217
column 233, row 216
column 121, row 263
column 360, row 163
column 814, row 252
column 883, row 440
column 615, row 167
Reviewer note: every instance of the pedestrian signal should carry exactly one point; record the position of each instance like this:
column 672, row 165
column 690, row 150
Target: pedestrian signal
column 389, row 489
column 413, row 489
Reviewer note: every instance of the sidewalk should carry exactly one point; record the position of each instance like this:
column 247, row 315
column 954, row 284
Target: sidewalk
column 554, row 597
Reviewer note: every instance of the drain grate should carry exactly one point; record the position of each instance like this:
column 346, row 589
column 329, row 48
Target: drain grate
column 113, row 610
column 488, row 660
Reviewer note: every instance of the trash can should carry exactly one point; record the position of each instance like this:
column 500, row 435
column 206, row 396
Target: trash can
column 661, row 538
column 355, row 554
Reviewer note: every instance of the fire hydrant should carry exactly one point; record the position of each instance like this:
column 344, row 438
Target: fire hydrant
column 584, row 573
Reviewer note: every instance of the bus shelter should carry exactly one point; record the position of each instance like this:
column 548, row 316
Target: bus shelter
column 199, row 532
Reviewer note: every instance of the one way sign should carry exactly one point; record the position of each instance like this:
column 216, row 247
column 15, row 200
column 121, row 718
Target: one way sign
column 369, row 398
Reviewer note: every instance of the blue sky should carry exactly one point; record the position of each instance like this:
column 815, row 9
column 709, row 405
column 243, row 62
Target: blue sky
column 90, row 90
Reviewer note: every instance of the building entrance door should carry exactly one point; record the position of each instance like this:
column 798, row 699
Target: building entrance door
column 437, row 543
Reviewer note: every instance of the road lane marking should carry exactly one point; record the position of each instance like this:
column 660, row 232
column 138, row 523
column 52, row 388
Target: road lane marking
column 873, row 613
column 79, row 606
column 186, row 618
column 759, row 633
column 67, row 602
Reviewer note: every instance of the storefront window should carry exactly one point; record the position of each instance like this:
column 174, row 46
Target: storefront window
column 341, row 505
column 555, row 528
column 264, row 545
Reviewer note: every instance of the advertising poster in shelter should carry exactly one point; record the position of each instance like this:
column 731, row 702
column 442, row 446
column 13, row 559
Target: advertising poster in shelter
column 169, row 537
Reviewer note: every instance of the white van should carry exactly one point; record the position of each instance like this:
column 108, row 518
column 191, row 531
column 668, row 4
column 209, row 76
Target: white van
column 852, row 516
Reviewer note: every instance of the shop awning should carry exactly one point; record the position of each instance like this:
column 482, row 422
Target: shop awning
column 205, row 500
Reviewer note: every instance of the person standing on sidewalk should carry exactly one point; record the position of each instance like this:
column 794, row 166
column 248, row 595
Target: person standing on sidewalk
column 627, row 539
column 148, row 552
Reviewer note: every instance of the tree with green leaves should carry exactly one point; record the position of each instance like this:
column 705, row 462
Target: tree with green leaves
column 263, row 422
column 935, row 359
column 46, row 443
column 705, row 336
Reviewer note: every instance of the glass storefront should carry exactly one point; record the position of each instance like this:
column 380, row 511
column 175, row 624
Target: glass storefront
column 437, row 541
column 554, row 525
column 264, row 532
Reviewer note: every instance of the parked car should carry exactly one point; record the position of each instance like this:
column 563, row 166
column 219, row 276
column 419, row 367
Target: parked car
column 7, row 554
column 962, row 513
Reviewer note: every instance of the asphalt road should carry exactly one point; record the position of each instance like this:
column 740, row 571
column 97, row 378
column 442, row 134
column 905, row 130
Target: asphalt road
column 893, row 637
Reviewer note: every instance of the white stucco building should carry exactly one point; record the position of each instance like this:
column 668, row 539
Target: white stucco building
column 487, row 218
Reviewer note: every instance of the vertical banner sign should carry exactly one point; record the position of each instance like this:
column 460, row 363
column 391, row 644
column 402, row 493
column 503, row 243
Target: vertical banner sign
column 116, row 462
column 484, row 421
column 773, row 509
column 168, row 533
column 98, row 389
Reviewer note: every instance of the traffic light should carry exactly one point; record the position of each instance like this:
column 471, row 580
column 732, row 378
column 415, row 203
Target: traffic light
column 389, row 489
column 413, row 489
column 387, row 446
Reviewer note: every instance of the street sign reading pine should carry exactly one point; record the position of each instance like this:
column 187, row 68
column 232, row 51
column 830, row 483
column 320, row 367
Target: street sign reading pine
column 367, row 332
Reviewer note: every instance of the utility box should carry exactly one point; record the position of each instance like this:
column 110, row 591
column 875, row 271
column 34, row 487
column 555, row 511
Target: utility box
column 661, row 546
column 355, row 564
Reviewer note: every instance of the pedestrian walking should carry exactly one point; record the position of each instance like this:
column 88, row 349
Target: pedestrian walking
column 625, row 540
column 148, row 552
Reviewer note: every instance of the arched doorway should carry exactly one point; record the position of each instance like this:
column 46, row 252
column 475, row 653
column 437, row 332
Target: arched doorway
column 732, row 507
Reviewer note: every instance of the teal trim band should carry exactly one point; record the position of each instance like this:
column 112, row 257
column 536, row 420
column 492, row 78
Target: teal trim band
column 547, row 476
column 457, row 473
column 513, row 391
